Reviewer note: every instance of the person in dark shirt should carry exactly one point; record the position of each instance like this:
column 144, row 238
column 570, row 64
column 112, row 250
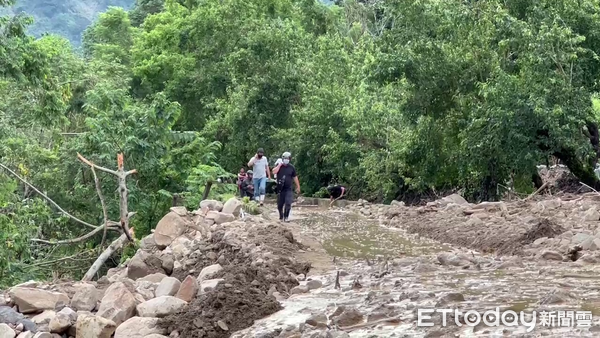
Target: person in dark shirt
column 247, row 186
column 336, row 192
column 286, row 174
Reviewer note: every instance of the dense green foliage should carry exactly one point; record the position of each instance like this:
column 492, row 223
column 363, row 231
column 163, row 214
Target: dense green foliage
column 394, row 100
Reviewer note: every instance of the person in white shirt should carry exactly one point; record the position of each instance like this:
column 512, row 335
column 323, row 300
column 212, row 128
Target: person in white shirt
column 260, row 167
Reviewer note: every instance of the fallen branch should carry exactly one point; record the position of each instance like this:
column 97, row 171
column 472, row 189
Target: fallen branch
column 587, row 186
column 48, row 198
column 114, row 246
column 122, row 181
column 78, row 239
column 536, row 192
column 103, row 204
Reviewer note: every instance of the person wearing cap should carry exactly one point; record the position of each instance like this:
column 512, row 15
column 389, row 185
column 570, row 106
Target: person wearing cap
column 247, row 186
column 286, row 173
column 260, row 167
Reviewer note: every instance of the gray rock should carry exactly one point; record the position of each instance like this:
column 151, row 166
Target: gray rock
column 161, row 307
column 209, row 271
column 450, row 297
column 314, row 284
column 168, row 287
column 9, row 316
column 551, row 255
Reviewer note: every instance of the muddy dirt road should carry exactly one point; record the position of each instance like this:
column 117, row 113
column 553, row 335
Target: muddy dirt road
column 389, row 267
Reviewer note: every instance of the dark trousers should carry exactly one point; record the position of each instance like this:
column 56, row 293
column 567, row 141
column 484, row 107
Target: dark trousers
column 284, row 203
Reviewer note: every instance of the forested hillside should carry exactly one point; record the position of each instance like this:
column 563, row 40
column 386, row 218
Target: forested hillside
column 393, row 99
column 67, row 18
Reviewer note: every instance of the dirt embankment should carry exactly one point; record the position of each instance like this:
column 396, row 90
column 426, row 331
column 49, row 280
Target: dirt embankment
column 505, row 228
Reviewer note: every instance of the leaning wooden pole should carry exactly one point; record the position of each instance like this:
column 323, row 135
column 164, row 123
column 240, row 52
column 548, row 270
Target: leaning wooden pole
column 105, row 255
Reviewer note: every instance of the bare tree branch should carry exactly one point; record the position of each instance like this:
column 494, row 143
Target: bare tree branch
column 104, row 212
column 47, row 198
column 88, row 162
column 74, row 240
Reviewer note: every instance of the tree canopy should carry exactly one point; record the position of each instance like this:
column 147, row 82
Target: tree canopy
column 393, row 99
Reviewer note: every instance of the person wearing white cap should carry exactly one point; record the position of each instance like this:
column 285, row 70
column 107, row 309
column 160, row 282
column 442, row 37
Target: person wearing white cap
column 286, row 174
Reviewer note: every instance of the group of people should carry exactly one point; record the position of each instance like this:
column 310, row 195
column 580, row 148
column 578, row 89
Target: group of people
column 254, row 182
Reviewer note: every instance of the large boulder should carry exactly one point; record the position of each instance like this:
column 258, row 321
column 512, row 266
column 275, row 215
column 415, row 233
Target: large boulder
column 90, row 326
column 63, row 320
column 208, row 205
column 143, row 264
column 219, row 217
column 85, row 297
column 30, row 300
column 118, row 303
column 168, row 228
column 187, row 290
column 160, row 306
column 168, row 287
column 209, row 271
column 454, row 198
column 232, row 206
column 139, row 327
column 9, row 316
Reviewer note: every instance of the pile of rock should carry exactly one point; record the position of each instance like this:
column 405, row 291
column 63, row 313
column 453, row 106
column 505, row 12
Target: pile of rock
column 547, row 228
column 187, row 257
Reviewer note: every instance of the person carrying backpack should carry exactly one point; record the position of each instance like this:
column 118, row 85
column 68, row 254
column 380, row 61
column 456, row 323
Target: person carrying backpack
column 286, row 174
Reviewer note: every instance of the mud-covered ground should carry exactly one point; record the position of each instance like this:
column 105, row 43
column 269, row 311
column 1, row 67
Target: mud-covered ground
column 391, row 261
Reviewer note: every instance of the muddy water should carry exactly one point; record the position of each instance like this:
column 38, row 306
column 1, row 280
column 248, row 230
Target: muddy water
column 399, row 273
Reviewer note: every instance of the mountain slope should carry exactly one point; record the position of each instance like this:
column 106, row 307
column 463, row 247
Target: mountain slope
column 67, row 18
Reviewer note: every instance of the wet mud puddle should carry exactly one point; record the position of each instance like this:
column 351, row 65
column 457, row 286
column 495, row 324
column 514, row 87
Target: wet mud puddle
column 387, row 274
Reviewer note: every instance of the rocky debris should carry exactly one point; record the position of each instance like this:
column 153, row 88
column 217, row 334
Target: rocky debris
column 85, row 297
column 168, row 228
column 232, row 206
column 188, row 289
column 208, row 205
column 219, row 217
column 6, row 331
column 30, row 300
column 63, row 320
column 90, row 326
column 209, row 285
column 118, row 303
column 240, row 267
column 450, row 297
column 168, row 287
column 8, row 315
column 317, row 320
column 209, row 272
column 314, row 284
column 160, row 307
column 350, row 316
column 139, row 327
column 143, row 264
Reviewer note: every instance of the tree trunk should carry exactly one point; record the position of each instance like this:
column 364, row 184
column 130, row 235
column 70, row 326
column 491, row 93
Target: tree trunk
column 594, row 136
column 537, row 180
column 583, row 172
column 207, row 190
column 116, row 245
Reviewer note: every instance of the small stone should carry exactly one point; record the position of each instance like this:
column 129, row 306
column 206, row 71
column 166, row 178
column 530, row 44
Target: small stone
column 551, row 255
column 299, row 289
column 318, row 320
column 222, row 325
column 314, row 284
column 168, row 287
column 209, row 271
